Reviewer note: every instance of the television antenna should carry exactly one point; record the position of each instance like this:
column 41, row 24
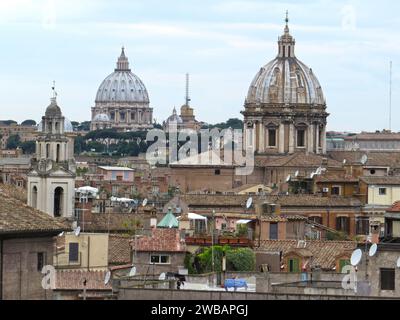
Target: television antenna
column 107, row 277
column 249, row 202
column 356, row 257
column 390, row 96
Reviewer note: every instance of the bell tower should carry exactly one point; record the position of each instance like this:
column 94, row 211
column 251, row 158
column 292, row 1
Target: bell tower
column 51, row 183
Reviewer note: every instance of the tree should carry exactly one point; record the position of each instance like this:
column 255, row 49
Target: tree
column 241, row 259
column 8, row 122
column 28, row 147
column 13, row 141
column 28, row 122
column 84, row 126
column 143, row 146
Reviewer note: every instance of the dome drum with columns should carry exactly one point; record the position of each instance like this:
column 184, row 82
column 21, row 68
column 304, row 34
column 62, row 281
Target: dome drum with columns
column 285, row 109
column 122, row 101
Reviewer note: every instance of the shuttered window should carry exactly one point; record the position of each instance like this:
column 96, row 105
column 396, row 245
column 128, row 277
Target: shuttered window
column 73, row 252
column 294, row 265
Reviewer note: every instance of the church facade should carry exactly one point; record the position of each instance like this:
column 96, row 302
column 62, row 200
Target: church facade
column 51, row 183
column 285, row 109
column 122, row 101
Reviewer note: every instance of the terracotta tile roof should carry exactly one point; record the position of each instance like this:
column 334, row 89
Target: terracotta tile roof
column 113, row 222
column 119, row 249
column 324, row 252
column 17, row 217
column 296, row 160
column 374, row 136
column 395, row 207
column 375, row 158
column 161, row 240
column 306, row 200
column 336, row 177
column 385, row 180
column 14, row 192
column 73, row 280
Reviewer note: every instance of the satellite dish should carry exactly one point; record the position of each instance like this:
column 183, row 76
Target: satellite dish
column 132, row 272
column 288, row 178
column 77, row 231
column 296, row 173
column 318, row 171
column 398, row 263
column 61, row 234
column 344, row 161
column 107, row 277
column 162, row 276
column 356, row 257
column 364, row 159
column 249, row 202
column 372, row 250
column 144, row 202
column 312, row 175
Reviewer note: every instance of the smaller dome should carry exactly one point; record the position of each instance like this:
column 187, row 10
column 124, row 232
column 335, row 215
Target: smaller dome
column 53, row 110
column 101, row 117
column 174, row 118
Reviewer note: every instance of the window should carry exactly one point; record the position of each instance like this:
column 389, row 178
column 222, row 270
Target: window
column 316, row 219
column 343, row 224
column 271, row 137
column 73, row 252
column 217, row 172
column 372, row 171
column 362, row 225
column 223, row 226
column 382, row 191
column 320, row 138
column 160, row 259
column 301, row 138
column 335, row 191
column 40, row 261
column 273, row 231
column 293, row 265
column 387, row 279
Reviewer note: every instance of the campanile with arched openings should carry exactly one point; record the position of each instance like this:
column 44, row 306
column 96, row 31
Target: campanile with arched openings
column 51, row 183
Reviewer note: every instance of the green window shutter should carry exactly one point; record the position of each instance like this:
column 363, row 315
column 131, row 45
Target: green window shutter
column 296, row 265
column 343, row 263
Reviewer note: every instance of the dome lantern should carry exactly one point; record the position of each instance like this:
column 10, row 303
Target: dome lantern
column 122, row 63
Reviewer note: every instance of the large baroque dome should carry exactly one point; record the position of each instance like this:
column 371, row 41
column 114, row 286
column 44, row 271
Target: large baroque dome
column 285, row 109
column 122, row 85
column 285, row 80
column 122, row 101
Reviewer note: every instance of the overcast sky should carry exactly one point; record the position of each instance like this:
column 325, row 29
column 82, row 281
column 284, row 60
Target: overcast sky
column 222, row 44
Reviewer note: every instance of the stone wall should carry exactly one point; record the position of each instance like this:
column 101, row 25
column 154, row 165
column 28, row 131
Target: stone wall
column 21, row 278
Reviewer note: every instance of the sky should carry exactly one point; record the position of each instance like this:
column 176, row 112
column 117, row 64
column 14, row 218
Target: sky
column 222, row 44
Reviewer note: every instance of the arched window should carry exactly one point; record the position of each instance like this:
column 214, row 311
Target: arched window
column 58, row 201
column 34, row 197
